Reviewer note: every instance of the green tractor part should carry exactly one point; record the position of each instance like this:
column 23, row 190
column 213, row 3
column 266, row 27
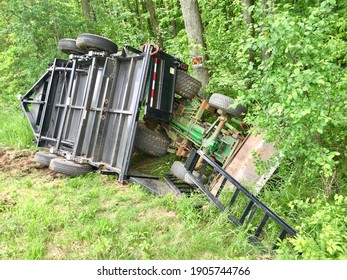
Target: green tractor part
column 217, row 136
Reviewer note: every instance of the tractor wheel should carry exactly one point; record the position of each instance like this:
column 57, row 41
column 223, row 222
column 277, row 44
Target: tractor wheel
column 186, row 86
column 180, row 172
column 69, row 46
column 223, row 102
column 96, row 42
column 70, row 168
column 151, row 142
column 44, row 158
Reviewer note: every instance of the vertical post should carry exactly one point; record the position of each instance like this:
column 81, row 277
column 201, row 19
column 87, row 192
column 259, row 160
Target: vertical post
column 192, row 160
column 261, row 225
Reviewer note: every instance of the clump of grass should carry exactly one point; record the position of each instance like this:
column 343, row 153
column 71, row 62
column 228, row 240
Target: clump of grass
column 14, row 129
column 91, row 217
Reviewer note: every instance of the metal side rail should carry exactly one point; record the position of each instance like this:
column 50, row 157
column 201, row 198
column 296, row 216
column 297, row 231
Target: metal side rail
column 248, row 211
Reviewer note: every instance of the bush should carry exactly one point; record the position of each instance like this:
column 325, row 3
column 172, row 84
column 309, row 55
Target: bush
column 321, row 228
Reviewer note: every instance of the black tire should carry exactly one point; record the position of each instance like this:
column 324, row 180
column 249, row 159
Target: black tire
column 96, row 42
column 151, row 142
column 223, row 102
column 69, row 46
column 70, row 168
column 186, row 86
column 44, row 158
column 178, row 169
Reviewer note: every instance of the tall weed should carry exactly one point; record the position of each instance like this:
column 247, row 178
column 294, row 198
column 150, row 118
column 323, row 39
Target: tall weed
column 14, row 128
column 321, row 227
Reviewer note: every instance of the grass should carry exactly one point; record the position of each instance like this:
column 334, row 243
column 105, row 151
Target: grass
column 14, row 127
column 50, row 216
column 44, row 215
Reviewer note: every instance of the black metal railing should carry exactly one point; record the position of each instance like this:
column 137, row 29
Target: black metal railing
column 225, row 198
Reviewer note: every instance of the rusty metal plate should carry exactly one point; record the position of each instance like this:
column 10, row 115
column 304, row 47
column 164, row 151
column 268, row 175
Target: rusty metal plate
column 242, row 164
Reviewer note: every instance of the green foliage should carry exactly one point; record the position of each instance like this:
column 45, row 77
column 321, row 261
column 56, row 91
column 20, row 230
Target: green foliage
column 29, row 34
column 296, row 97
column 30, row 31
column 298, row 94
column 222, row 21
column 14, row 128
column 321, row 225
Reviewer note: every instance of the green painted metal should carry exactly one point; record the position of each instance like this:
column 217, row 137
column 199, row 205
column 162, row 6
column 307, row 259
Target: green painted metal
column 188, row 126
column 227, row 146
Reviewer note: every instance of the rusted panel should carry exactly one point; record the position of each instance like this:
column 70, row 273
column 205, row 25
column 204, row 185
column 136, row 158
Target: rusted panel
column 242, row 167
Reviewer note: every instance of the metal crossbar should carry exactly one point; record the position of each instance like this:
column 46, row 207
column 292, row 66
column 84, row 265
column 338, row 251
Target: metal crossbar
column 253, row 202
column 179, row 185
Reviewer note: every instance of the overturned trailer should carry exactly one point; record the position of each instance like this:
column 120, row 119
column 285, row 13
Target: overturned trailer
column 86, row 108
column 92, row 110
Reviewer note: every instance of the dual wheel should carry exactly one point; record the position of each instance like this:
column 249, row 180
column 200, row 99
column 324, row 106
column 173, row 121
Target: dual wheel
column 61, row 165
column 70, row 168
column 85, row 43
column 151, row 142
column 186, row 86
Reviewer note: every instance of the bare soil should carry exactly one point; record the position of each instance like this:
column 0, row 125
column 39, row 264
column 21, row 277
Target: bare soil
column 15, row 162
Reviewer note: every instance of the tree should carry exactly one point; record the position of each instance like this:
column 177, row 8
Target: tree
column 194, row 29
column 86, row 9
column 139, row 15
column 154, row 21
column 249, row 24
column 268, row 6
column 298, row 93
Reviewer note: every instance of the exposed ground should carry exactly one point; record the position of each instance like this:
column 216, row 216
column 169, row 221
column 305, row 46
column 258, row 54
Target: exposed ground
column 17, row 162
column 44, row 215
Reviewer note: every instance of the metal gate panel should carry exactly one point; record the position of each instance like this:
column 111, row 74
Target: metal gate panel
column 75, row 109
column 120, row 114
column 87, row 108
column 107, row 121
column 90, row 117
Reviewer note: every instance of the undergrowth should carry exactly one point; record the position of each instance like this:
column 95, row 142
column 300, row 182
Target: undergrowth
column 14, row 127
column 49, row 216
column 91, row 217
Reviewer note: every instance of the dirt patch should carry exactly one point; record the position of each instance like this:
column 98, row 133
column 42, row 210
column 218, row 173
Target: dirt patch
column 16, row 159
column 6, row 201
column 15, row 162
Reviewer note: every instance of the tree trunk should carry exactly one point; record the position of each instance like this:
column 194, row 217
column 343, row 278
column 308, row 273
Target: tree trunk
column 155, row 25
column 139, row 16
column 168, row 5
column 250, row 31
column 129, row 5
column 174, row 28
column 86, row 9
column 268, row 9
column 194, row 29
